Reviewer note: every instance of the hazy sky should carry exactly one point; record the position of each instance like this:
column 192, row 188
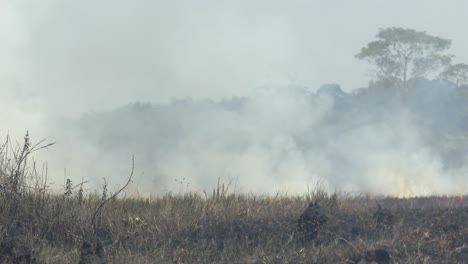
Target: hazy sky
column 61, row 58
column 68, row 56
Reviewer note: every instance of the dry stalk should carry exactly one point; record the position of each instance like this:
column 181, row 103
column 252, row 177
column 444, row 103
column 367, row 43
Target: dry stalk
column 101, row 205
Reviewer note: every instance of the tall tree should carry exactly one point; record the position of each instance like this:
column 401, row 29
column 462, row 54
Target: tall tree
column 457, row 73
column 401, row 54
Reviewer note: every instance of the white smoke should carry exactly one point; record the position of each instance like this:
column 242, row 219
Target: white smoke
column 278, row 139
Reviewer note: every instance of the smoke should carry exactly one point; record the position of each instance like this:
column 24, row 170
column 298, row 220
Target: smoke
column 68, row 69
column 78, row 57
column 284, row 139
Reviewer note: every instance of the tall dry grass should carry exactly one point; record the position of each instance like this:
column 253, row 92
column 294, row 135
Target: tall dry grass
column 214, row 227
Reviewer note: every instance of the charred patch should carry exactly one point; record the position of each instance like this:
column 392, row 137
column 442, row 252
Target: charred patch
column 16, row 250
column 383, row 218
column 378, row 256
column 310, row 221
column 92, row 253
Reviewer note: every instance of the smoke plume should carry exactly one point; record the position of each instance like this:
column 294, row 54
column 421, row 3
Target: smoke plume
column 378, row 139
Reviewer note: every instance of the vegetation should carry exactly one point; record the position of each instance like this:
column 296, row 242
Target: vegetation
column 40, row 227
column 402, row 54
column 457, row 73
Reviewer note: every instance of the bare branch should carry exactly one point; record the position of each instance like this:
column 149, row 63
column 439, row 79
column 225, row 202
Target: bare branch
column 101, row 205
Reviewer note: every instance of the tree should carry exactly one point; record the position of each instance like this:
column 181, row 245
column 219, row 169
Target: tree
column 457, row 73
column 401, row 54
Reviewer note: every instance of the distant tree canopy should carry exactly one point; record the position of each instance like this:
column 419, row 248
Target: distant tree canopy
column 457, row 73
column 401, row 54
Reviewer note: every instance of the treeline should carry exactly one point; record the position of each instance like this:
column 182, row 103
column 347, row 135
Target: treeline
column 411, row 120
column 431, row 115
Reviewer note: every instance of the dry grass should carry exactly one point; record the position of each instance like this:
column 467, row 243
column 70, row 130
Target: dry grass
column 238, row 229
column 223, row 227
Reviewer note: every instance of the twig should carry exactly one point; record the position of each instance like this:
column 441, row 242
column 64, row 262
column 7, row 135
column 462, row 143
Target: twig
column 101, row 205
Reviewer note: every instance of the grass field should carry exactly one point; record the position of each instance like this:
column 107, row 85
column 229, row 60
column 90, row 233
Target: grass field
column 233, row 228
column 37, row 226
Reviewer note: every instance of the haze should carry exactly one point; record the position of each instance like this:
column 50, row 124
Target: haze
column 62, row 59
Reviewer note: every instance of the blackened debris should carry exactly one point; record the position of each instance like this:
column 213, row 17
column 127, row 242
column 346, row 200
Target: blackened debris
column 381, row 256
column 383, row 218
column 378, row 256
column 16, row 250
column 310, row 221
column 92, row 253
